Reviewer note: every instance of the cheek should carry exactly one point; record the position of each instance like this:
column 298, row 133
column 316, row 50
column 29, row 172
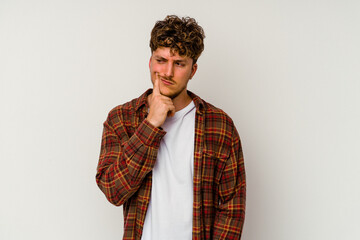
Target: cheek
column 187, row 74
column 155, row 68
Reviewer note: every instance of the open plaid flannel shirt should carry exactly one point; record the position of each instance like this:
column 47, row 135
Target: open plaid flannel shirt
column 128, row 154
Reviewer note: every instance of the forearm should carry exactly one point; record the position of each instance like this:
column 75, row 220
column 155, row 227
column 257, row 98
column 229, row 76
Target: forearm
column 123, row 166
column 230, row 214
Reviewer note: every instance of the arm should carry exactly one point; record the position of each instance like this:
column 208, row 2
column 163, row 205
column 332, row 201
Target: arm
column 123, row 165
column 230, row 214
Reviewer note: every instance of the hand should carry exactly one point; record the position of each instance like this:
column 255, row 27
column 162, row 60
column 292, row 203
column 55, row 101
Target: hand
column 160, row 105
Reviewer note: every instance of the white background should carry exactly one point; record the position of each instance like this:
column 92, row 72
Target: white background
column 286, row 71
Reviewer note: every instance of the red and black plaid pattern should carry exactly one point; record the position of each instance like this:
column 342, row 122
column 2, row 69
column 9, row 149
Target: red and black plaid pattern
column 128, row 154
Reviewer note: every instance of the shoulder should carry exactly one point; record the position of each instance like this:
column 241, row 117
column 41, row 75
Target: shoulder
column 128, row 107
column 215, row 115
column 219, row 130
column 210, row 112
column 126, row 112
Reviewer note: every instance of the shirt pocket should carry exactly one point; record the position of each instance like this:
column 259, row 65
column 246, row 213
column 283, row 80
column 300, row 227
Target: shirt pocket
column 213, row 164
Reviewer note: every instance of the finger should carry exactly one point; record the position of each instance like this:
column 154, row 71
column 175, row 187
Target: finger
column 171, row 112
column 167, row 100
column 156, row 90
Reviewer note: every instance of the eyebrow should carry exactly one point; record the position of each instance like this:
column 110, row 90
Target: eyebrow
column 180, row 61
column 176, row 60
column 160, row 57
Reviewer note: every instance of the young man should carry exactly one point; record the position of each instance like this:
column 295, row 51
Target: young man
column 171, row 159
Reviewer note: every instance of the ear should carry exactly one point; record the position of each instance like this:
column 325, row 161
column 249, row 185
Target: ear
column 150, row 62
column 193, row 70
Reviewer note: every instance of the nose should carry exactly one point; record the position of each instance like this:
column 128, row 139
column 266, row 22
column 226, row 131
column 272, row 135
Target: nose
column 169, row 71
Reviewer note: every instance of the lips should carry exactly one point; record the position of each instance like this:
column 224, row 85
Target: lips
column 166, row 81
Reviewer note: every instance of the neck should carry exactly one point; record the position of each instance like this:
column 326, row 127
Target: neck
column 181, row 101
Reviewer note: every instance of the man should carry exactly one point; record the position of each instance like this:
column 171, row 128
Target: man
column 171, row 159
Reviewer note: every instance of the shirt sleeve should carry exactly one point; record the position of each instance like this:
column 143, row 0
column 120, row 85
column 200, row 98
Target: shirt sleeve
column 230, row 214
column 123, row 164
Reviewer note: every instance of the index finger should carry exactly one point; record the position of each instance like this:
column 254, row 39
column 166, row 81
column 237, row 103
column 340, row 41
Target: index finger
column 156, row 90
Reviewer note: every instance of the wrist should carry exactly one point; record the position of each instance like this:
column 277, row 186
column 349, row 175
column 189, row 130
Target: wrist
column 152, row 122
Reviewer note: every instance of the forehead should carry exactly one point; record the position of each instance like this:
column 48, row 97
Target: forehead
column 168, row 53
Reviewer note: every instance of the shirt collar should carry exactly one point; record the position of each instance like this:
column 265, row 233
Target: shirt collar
column 142, row 101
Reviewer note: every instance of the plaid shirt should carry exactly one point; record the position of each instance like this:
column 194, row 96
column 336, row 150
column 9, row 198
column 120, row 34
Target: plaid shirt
column 128, row 154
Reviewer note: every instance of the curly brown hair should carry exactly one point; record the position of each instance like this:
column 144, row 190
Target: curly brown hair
column 183, row 35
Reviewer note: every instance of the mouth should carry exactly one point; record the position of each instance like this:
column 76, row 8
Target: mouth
column 167, row 81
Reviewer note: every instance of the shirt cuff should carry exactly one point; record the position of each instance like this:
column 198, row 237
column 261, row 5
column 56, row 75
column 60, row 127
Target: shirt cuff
column 150, row 135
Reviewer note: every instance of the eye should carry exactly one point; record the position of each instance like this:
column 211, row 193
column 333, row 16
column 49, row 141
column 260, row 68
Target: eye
column 160, row 60
column 180, row 64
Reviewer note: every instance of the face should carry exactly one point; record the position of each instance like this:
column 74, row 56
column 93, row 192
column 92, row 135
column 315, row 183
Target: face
column 175, row 71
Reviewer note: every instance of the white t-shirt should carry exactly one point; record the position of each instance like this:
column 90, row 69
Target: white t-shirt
column 170, row 211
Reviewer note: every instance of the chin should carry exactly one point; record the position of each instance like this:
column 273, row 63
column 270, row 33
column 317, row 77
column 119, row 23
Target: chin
column 170, row 94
